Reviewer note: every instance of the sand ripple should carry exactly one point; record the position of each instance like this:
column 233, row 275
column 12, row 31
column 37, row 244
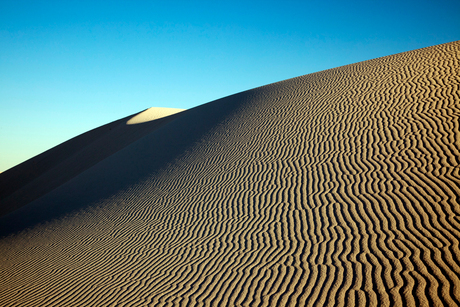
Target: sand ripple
column 336, row 188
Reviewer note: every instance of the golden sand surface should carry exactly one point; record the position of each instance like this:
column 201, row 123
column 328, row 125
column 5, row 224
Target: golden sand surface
column 337, row 188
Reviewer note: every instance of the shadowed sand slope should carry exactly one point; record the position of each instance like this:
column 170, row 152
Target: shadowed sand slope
column 335, row 188
column 41, row 174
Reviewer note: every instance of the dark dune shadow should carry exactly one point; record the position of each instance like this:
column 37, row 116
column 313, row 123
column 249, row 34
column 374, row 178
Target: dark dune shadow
column 43, row 173
column 123, row 168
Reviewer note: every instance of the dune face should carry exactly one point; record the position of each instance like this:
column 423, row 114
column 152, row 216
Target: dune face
column 37, row 176
column 338, row 188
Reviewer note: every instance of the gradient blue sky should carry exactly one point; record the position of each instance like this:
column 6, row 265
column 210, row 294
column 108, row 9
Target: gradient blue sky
column 69, row 66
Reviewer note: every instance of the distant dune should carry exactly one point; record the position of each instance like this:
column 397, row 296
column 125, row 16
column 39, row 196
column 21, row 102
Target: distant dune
column 337, row 188
column 47, row 171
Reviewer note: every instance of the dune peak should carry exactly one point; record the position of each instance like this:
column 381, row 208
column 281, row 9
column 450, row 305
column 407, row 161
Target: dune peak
column 152, row 114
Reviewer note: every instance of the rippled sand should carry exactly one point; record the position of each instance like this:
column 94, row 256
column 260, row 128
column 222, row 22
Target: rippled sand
column 336, row 188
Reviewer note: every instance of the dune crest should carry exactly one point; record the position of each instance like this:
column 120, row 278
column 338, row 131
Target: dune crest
column 152, row 114
column 338, row 188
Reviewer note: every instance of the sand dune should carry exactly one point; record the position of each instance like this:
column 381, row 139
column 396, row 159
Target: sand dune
column 336, row 188
column 41, row 174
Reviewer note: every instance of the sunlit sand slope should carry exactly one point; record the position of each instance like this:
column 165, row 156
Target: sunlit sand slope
column 152, row 114
column 336, row 188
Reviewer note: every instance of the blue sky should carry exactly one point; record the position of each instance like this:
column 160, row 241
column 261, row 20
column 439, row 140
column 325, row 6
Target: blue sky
column 69, row 66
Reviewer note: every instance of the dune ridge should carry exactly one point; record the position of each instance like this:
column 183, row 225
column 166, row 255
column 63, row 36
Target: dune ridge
column 337, row 188
column 152, row 114
column 41, row 174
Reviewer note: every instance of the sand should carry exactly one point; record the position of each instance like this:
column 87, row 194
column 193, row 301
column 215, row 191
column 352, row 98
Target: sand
column 41, row 174
column 152, row 114
column 337, row 188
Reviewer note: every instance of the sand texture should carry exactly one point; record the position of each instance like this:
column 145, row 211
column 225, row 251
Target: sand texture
column 338, row 188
